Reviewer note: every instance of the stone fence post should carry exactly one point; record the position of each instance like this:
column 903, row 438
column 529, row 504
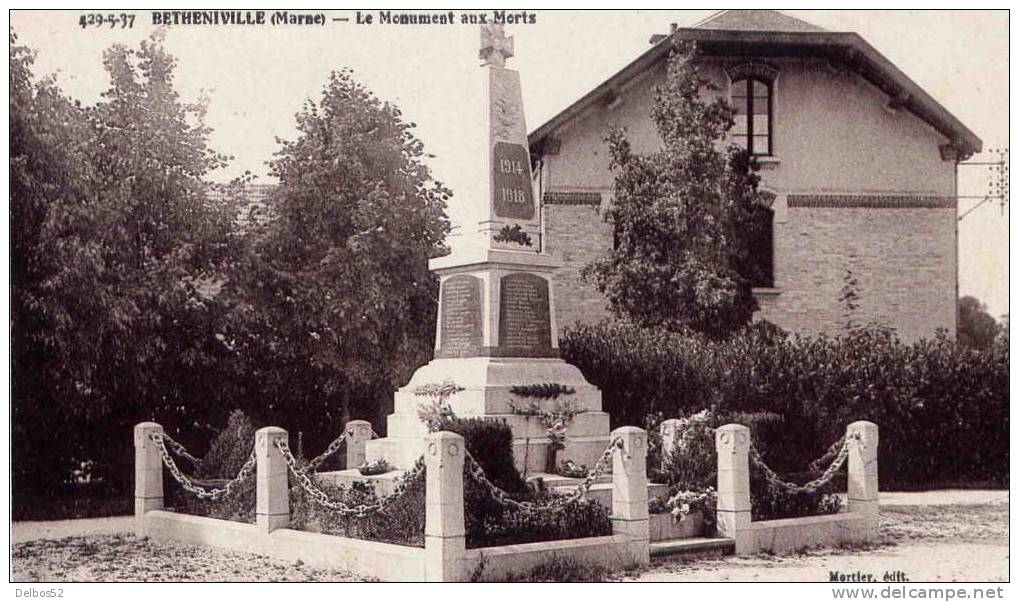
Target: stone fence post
column 359, row 432
column 732, row 444
column 445, row 546
column 629, row 491
column 148, row 473
column 671, row 432
column 272, row 494
column 862, row 470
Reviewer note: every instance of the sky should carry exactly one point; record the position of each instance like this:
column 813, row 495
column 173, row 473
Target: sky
column 257, row 78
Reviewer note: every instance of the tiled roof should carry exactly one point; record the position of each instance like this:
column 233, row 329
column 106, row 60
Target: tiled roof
column 755, row 20
column 740, row 33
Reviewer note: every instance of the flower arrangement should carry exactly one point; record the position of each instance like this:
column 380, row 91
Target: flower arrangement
column 684, row 503
column 437, row 411
column 513, row 234
column 542, row 390
column 374, row 467
column 555, row 422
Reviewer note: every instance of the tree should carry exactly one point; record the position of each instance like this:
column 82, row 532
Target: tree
column 338, row 303
column 683, row 215
column 977, row 328
column 48, row 219
column 114, row 235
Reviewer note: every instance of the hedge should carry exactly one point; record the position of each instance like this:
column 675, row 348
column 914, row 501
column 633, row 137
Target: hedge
column 942, row 407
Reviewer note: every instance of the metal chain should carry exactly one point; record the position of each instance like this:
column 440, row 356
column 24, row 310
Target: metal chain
column 833, row 451
column 810, row 487
column 322, row 499
column 477, row 474
column 186, row 483
column 180, row 450
column 330, row 450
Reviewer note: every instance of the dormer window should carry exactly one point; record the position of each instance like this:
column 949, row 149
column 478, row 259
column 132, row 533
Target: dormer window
column 752, row 101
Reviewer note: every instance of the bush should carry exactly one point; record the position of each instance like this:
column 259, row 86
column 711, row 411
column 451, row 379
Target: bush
column 942, row 408
column 229, row 451
column 491, row 443
column 488, row 523
column 402, row 522
column 693, row 468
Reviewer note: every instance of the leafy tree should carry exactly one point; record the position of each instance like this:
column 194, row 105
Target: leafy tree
column 338, row 303
column 977, row 328
column 683, row 215
column 48, row 217
column 114, row 236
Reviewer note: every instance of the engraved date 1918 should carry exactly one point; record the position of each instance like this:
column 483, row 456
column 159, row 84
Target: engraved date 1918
column 110, row 20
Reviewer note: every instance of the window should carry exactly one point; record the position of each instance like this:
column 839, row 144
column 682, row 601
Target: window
column 760, row 268
column 752, row 100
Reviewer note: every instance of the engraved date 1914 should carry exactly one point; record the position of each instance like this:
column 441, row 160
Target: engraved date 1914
column 109, row 20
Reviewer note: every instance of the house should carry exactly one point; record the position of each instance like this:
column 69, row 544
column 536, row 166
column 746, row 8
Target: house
column 859, row 163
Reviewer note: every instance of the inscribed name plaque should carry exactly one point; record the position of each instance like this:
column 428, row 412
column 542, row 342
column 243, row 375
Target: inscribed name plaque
column 524, row 322
column 460, row 332
column 511, row 181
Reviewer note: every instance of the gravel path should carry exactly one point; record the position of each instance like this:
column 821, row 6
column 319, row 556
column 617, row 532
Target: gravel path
column 922, row 536
column 918, row 562
column 943, row 497
column 123, row 557
column 959, row 542
column 55, row 529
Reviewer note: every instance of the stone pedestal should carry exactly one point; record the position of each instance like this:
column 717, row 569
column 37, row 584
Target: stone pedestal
column 487, row 382
column 272, row 492
column 445, row 533
column 732, row 443
column 148, row 473
column 496, row 323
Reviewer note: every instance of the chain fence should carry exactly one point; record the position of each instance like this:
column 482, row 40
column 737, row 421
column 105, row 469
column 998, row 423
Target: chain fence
column 836, row 453
column 477, row 473
column 216, row 494
column 180, row 450
column 322, row 498
column 331, row 449
column 812, row 486
column 828, row 456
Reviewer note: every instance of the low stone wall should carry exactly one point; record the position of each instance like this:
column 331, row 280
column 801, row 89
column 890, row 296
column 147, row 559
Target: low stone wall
column 859, row 524
column 665, row 526
column 444, row 557
column 794, row 534
column 504, row 562
column 384, row 561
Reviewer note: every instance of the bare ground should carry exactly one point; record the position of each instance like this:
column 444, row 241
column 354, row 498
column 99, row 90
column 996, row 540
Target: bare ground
column 925, row 543
column 124, row 557
column 958, row 542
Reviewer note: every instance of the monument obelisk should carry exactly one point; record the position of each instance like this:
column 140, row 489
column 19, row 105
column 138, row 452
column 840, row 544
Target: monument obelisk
column 496, row 322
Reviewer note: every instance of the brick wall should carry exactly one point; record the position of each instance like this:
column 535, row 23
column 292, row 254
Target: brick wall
column 904, row 260
column 578, row 234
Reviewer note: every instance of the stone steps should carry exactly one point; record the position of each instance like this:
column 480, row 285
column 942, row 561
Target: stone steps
column 602, row 492
column 722, row 546
column 553, row 480
column 384, row 483
column 584, row 424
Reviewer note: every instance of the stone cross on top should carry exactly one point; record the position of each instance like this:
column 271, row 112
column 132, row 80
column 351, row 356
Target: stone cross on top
column 495, row 46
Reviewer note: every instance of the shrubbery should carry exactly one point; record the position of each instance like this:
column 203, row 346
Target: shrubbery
column 488, row 523
column 693, row 470
column 402, row 522
column 228, row 452
column 942, row 408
